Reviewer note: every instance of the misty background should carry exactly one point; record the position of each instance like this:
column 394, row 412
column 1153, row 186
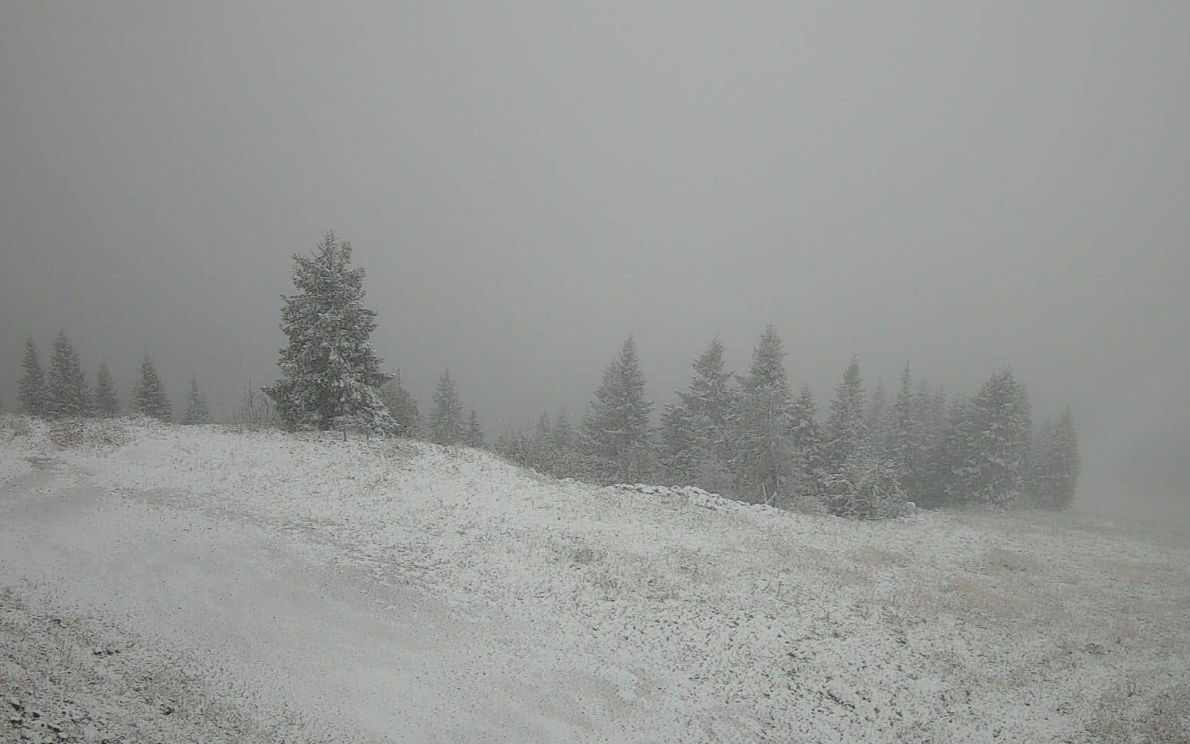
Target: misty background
column 963, row 185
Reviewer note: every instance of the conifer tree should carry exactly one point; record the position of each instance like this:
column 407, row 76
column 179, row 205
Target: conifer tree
column 615, row 432
column 329, row 371
column 997, row 461
column 710, row 405
column 541, row 447
column 1056, row 463
column 196, row 406
column 564, row 457
column 107, row 403
column 806, row 439
column 446, row 422
column 676, row 455
column 66, row 387
column 32, row 384
column 474, row 434
column 764, row 461
column 148, row 395
column 845, row 440
column 402, row 406
column 845, row 429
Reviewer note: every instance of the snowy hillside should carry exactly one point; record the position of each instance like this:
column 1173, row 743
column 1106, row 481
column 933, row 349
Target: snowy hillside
column 254, row 586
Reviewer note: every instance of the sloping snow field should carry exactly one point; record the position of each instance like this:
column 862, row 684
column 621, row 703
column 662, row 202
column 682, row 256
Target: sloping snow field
column 197, row 584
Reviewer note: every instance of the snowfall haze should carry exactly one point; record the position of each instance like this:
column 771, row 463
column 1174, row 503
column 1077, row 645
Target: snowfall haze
column 959, row 185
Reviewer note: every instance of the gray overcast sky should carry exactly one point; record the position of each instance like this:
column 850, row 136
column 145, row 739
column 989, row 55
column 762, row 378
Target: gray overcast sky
column 965, row 184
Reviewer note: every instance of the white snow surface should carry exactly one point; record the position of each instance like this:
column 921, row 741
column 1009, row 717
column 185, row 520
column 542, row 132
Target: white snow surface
column 397, row 591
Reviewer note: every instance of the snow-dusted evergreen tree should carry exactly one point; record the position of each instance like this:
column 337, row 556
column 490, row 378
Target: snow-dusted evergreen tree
column 953, row 454
column 676, row 453
column 876, row 418
column 542, row 453
column 765, row 444
column 329, row 371
column 402, row 406
column 196, row 406
column 845, row 441
column 446, row 420
column 845, row 428
column 1056, row 463
column 807, row 488
column 148, row 395
column 997, row 462
column 474, row 434
column 565, row 464
column 710, row 405
column 107, row 403
column 66, row 393
column 615, row 433
column 32, row 384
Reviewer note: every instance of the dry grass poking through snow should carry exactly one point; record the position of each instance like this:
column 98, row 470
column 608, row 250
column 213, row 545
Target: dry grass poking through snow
column 723, row 622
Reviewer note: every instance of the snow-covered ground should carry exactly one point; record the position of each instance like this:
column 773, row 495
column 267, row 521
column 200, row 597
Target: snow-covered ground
column 183, row 584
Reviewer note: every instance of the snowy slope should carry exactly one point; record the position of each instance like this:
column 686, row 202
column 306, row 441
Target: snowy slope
column 399, row 591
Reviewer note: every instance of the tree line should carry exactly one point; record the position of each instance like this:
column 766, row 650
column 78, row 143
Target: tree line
column 752, row 437
column 63, row 392
column 749, row 436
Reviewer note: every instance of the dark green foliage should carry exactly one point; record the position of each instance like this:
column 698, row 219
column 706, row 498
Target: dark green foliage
column 66, row 393
column 765, row 456
column 615, row 433
column 474, row 434
column 107, row 403
column 32, row 384
column 1056, row 463
column 329, row 371
column 148, row 395
column 446, row 420
column 402, row 406
column 196, row 406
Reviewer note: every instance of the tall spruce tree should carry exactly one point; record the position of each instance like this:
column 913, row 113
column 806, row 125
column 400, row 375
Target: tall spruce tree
column 676, row 454
column 710, row 404
column 474, row 434
column 997, row 461
column 564, row 456
column 765, row 443
column 32, row 384
column 446, row 420
column 196, row 406
column 902, row 427
column 845, row 441
column 1056, row 463
column 845, row 428
column 107, row 402
column 329, row 371
column 66, row 386
column 541, row 447
column 807, row 470
column 615, row 432
column 148, row 395
column 402, row 406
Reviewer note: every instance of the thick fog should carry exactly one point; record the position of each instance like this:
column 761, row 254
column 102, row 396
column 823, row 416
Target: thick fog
column 959, row 185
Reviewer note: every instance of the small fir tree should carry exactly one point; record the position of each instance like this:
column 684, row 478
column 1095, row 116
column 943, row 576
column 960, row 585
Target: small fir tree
column 66, row 387
column 148, row 395
column 446, row 421
column 474, row 435
column 196, row 406
column 765, row 445
column 402, row 406
column 32, row 384
column 615, row 433
column 107, row 403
